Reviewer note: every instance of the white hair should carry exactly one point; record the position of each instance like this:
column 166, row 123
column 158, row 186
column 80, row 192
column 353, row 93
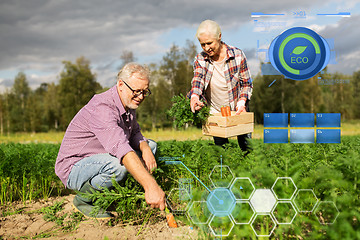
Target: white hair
column 130, row 68
column 209, row 26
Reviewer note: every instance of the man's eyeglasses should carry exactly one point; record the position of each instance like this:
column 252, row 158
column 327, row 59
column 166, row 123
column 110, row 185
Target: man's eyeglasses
column 136, row 93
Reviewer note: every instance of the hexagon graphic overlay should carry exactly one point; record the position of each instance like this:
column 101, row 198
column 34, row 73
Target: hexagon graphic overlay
column 221, row 176
column 242, row 188
column 263, row 200
column 243, row 212
column 305, row 200
column 284, row 212
column 221, row 202
column 263, row 225
column 284, row 188
column 326, row 212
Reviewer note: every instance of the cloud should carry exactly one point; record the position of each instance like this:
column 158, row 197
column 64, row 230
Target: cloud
column 43, row 33
column 345, row 34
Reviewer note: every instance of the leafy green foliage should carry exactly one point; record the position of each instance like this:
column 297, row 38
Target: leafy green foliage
column 65, row 221
column 126, row 198
column 27, row 172
column 330, row 170
column 77, row 86
column 182, row 114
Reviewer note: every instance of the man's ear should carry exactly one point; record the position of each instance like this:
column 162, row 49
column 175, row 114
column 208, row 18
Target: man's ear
column 119, row 85
column 219, row 36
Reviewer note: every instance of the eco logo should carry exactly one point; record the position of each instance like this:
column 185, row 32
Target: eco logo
column 299, row 53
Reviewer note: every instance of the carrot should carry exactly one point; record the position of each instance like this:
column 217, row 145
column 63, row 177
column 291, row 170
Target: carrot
column 223, row 111
column 228, row 111
column 170, row 219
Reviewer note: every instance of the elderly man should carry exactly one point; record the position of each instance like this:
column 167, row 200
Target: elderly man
column 221, row 77
column 104, row 140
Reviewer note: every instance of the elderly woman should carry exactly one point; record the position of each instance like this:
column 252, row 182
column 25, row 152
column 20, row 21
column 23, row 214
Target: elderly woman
column 221, row 77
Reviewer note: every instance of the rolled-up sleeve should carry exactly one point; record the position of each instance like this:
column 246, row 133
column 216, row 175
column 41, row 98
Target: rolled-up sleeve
column 136, row 135
column 197, row 83
column 245, row 78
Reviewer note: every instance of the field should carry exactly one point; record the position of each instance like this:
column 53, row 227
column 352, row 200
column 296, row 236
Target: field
column 34, row 204
column 348, row 128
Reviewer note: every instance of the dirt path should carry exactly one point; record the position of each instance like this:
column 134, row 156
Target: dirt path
column 27, row 222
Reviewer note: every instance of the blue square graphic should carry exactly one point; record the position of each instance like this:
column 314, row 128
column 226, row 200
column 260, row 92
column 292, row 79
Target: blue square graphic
column 328, row 120
column 302, row 135
column 276, row 136
column 276, row 120
column 328, row 136
column 302, row 120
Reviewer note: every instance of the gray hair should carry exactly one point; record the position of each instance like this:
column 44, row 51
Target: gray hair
column 209, row 26
column 130, row 68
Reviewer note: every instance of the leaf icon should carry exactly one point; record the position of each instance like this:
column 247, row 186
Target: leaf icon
column 299, row 50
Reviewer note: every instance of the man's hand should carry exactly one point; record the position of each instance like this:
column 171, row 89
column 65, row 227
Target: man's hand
column 195, row 103
column 240, row 107
column 148, row 156
column 155, row 197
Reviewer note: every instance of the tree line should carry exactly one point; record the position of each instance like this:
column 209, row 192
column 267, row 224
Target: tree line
column 51, row 106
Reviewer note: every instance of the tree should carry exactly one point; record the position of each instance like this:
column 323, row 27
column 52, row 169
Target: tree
column 152, row 112
column 52, row 107
column 2, row 111
column 169, row 67
column 176, row 67
column 77, row 86
column 356, row 93
column 20, row 93
column 127, row 57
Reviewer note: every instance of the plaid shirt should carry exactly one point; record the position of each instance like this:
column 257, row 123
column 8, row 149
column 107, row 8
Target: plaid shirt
column 236, row 73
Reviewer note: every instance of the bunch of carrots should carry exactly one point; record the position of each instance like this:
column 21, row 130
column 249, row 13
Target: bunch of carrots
column 225, row 111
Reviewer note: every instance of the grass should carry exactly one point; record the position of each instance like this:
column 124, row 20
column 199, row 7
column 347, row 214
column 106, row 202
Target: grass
column 348, row 128
column 48, row 137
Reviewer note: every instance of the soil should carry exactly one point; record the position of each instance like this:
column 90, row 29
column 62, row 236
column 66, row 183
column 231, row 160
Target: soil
column 26, row 221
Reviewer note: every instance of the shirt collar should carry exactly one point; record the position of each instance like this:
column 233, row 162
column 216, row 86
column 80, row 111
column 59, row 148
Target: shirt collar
column 117, row 100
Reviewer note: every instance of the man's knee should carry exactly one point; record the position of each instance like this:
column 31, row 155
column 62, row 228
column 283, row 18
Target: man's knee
column 115, row 169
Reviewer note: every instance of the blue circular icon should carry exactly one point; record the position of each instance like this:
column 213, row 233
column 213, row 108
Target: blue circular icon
column 299, row 53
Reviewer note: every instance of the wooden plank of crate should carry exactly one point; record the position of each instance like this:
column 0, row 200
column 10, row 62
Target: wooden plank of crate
column 227, row 132
column 217, row 119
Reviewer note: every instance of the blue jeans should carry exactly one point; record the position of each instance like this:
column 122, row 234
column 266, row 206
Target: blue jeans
column 99, row 169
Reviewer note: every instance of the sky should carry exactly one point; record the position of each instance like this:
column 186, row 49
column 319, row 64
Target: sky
column 37, row 35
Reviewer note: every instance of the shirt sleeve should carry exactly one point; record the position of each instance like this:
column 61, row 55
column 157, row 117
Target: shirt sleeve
column 245, row 79
column 197, row 83
column 110, row 130
column 136, row 135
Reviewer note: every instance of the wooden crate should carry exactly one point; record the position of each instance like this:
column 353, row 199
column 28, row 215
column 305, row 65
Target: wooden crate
column 231, row 126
